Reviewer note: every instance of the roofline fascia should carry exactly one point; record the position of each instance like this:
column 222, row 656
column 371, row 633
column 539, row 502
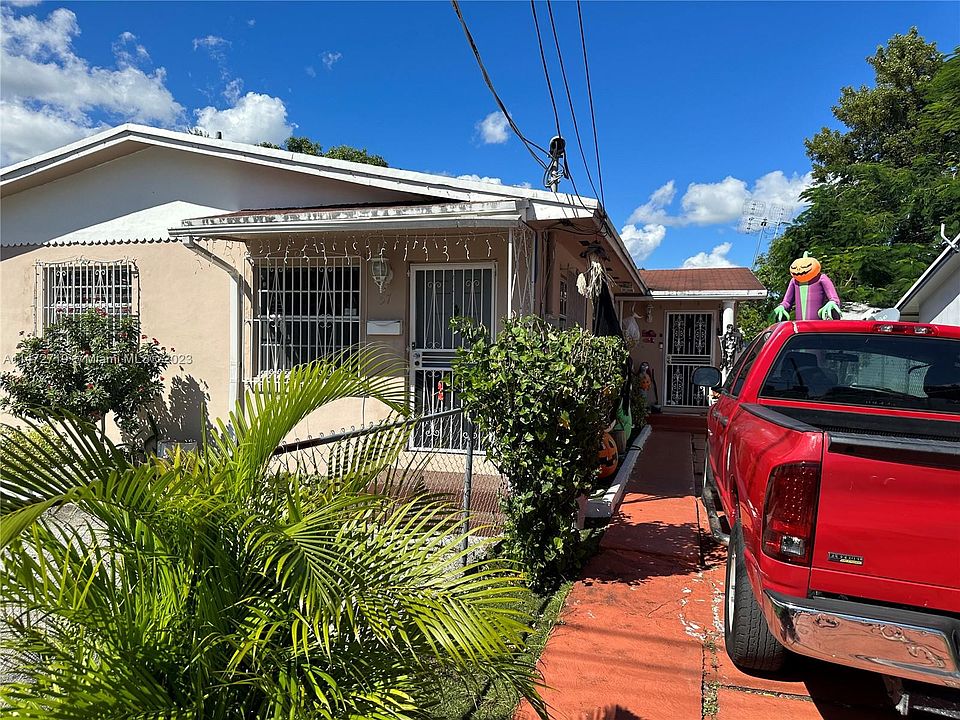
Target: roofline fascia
column 619, row 247
column 696, row 295
column 926, row 277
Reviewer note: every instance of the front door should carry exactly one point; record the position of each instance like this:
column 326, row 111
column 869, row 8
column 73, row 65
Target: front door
column 690, row 341
column 439, row 293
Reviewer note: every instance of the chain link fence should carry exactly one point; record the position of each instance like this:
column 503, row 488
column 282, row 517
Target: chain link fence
column 439, row 453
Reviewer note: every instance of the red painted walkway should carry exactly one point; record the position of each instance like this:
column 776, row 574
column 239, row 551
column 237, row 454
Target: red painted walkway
column 641, row 633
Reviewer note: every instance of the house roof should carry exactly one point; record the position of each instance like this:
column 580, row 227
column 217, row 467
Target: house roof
column 703, row 282
column 946, row 265
column 127, row 139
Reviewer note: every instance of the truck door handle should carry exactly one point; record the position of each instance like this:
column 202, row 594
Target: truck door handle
column 722, row 419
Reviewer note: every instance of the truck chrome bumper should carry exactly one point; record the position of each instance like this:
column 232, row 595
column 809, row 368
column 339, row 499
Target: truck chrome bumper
column 902, row 643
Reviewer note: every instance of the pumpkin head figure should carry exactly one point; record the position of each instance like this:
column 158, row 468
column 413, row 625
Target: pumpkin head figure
column 805, row 269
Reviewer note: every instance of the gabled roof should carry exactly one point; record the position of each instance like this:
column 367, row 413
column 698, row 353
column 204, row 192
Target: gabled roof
column 129, row 138
column 947, row 263
column 704, row 282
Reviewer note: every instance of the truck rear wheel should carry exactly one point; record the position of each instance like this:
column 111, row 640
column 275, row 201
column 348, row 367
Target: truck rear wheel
column 748, row 640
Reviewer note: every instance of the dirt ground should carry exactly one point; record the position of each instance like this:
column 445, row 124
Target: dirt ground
column 641, row 635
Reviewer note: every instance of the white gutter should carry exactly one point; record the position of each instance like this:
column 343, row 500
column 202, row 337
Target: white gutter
column 236, row 317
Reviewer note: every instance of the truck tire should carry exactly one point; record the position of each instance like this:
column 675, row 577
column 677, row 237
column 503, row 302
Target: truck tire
column 748, row 640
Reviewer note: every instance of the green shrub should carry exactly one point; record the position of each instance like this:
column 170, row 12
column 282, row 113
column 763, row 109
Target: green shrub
column 88, row 364
column 639, row 408
column 541, row 398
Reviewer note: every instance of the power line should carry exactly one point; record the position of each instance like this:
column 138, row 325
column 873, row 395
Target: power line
column 530, row 145
column 566, row 86
column 593, row 117
column 543, row 59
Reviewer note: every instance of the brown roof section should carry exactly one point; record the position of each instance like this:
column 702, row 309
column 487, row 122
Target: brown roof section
column 701, row 279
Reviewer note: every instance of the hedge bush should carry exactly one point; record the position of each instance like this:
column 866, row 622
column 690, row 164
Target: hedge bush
column 541, row 398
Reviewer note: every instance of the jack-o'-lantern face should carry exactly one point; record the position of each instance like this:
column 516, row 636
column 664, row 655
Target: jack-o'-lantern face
column 805, row 269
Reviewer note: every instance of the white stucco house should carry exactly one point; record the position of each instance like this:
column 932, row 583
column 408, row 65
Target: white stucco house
column 248, row 260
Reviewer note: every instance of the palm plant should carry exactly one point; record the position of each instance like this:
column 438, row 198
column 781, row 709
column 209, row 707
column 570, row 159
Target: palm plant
column 217, row 585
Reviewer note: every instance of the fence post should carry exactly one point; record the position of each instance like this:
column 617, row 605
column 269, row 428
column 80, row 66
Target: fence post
column 467, row 484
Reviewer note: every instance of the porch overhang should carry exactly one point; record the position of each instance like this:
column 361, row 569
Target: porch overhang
column 257, row 224
column 696, row 295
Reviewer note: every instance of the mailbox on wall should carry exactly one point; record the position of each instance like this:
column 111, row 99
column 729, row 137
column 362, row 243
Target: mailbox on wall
column 384, row 327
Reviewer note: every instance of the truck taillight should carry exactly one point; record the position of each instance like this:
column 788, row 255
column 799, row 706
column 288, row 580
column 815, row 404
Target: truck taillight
column 789, row 511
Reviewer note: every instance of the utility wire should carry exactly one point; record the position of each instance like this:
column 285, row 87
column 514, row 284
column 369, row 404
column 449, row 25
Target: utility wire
column 566, row 86
column 593, row 117
column 543, row 59
column 503, row 108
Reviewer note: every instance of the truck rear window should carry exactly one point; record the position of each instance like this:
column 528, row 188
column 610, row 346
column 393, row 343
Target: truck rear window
column 893, row 371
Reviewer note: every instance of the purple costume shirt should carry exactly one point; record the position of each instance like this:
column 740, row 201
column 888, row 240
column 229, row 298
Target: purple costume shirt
column 818, row 293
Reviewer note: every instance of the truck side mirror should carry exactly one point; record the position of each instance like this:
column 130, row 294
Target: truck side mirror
column 706, row 377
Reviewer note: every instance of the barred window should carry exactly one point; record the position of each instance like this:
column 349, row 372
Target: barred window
column 306, row 309
column 74, row 287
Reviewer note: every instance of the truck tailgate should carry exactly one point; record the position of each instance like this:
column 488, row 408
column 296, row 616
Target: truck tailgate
column 888, row 519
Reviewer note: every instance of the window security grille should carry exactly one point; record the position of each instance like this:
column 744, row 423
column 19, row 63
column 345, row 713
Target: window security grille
column 305, row 309
column 75, row 287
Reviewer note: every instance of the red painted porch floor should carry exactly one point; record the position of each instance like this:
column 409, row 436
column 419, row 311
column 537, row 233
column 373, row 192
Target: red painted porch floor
column 641, row 633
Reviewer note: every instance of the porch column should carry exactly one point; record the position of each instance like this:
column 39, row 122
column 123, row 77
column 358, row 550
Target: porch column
column 728, row 315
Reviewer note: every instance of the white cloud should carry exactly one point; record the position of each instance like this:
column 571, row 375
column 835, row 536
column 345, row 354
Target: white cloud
column 251, row 22
column 310, row 70
column 493, row 128
column 722, row 202
column 641, row 242
column 654, row 210
column 128, row 51
column 27, row 131
column 777, row 188
column 713, row 203
column 330, row 59
column 51, row 96
column 213, row 43
column 254, row 118
column 21, row 3
column 716, row 258
column 481, row 178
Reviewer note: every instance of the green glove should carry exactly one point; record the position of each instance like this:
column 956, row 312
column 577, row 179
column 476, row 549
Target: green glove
column 826, row 312
column 781, row 313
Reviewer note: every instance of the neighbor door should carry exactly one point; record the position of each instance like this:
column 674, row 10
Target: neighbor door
column 690, row 341
column 438, row 294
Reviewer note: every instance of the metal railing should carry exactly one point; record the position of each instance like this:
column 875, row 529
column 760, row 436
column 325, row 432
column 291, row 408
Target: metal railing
column 464, row 477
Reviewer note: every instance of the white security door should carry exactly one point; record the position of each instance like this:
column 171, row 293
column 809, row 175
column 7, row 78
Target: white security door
column 439, row 293
column 690, row 341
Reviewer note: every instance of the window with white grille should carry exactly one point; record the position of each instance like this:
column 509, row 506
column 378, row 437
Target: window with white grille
column 305, row 309
column 74, row 287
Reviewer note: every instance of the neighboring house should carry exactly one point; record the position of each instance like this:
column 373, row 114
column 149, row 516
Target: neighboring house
column 680, row 320
column 935, row 296
column 245, row 260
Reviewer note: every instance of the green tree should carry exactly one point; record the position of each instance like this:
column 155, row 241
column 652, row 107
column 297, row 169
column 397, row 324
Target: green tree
column 884, row 184
column 88, row 364
column 337, row 152
column 218, row 585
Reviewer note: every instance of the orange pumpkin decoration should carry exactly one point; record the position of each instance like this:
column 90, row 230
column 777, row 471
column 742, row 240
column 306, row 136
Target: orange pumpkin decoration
column 608, row 456
column 805, row 269
column 643, row 381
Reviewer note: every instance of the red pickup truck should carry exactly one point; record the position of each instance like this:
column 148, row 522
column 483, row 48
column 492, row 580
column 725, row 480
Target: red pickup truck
column 834, row 465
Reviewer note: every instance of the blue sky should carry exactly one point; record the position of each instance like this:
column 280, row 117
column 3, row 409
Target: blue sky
column 700, row 106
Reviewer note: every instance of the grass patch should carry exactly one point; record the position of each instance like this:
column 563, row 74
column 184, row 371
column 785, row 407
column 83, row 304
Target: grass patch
column 480, row 699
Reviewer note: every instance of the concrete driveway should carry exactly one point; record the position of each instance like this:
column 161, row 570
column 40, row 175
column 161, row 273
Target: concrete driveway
column 641, row 635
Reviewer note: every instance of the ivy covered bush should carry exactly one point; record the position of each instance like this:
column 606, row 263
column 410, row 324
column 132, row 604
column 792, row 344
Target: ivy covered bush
column 88, row 364
column 541, row 398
